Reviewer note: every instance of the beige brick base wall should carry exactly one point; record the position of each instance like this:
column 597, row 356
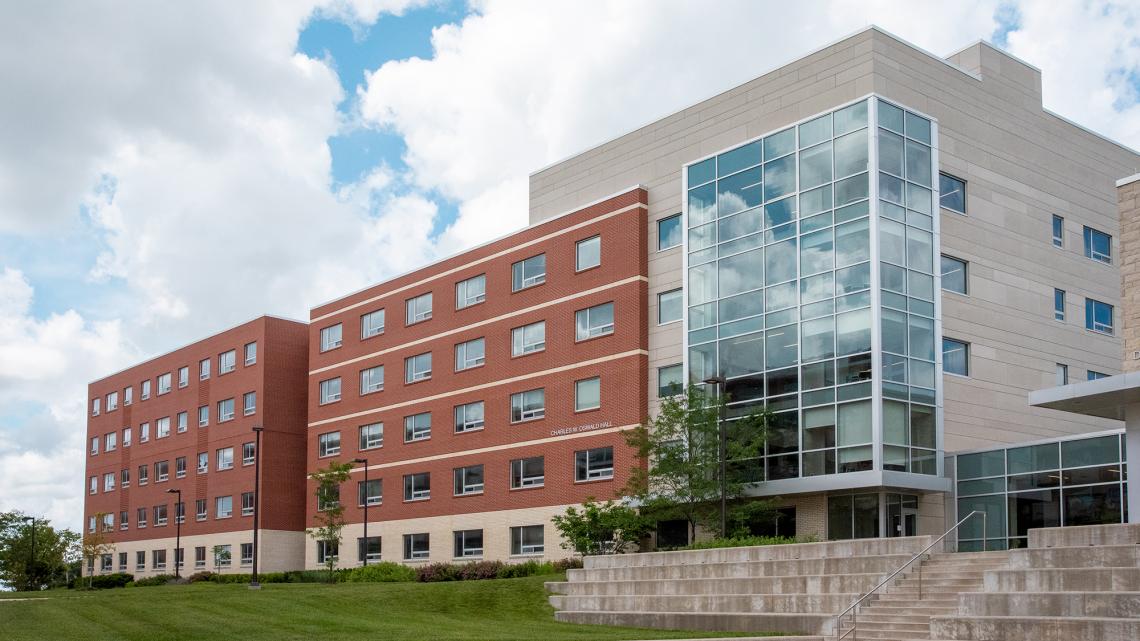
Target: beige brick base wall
column 278, row 551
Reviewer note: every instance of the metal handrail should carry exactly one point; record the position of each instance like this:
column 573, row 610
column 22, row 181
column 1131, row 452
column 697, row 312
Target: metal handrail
column 853, row 608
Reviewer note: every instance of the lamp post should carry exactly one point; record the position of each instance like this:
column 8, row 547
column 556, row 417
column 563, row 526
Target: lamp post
column 31, row 571
column 254, row 584
column 177, row 531
column 364, row 462
column 719, row 381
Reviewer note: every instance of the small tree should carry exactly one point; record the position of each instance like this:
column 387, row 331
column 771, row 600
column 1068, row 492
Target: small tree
column 600, row 528
column 680, row 451
column 221, row 557
column 96, row 544
column 330, row 512
column 49, row 566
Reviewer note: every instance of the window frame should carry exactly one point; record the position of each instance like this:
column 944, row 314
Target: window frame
column 462, row 551
column 519, row 344
column 218, row 502
column 679, row 292
column 325, row 394
column 411, row 494
column 462, row 424
column 965, row 266
column 579, row 245
column 592, row 475
column 520, row 480
column 413, row 375
column 325, row 447
column 518, row 536
column 250, row 353
column 416, row 540
column 363, row 496
column 367, row 330
column 224, row 459
column 414, row 433
column 520, row 280
column 966, row 350
column 204, row 369
column 227, row 362
column 591, row 331
column 577, row 394
column 463, row 299
column 462, row 362
column 524, row 415
column 461, row 486
column 1058, row 231
column 364, row 444
column 1091, row 324
column 226, row 410
column 1059, row 301
column 372, row 386
column 942, row 193
column 675, row 218
column 332, row 337
column 247, row 408
column 1089, row 235
column 413, row 314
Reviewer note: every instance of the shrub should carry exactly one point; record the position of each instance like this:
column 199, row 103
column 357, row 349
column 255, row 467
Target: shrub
column 526, row 568
column 434, row 572
column 572, row 563
column 198, row 577
column 104, row 581
column 479, row 570
column 158, row 579
column 383, row 572
column 747, row 541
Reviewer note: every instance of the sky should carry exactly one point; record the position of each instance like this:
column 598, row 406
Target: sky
column 170, row 169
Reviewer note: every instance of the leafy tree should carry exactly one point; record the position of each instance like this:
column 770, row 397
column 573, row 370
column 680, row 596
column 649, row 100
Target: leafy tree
column 680, row 452
column 221, row 558
column 601, row 528
column 96, row 544
column 330, row 512
column 53, row 549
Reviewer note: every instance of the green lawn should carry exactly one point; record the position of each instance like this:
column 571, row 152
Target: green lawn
column 503, row 609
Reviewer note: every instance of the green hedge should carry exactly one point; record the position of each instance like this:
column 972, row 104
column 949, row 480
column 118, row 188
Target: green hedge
column 748, row 541
column 103, row 581
column 158, row 579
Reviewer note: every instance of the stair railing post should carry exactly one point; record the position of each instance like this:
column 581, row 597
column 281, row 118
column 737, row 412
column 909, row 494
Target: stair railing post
column 984, row 531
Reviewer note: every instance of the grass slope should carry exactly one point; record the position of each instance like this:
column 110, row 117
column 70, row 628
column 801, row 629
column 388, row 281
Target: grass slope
column 506, row 609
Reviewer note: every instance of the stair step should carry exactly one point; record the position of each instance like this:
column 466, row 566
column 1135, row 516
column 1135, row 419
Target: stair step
column 797, row 624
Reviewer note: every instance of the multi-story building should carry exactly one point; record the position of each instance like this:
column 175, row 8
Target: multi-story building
column 184, row 422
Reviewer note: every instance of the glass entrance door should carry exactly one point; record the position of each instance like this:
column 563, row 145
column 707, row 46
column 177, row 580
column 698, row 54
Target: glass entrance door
column 902, row 515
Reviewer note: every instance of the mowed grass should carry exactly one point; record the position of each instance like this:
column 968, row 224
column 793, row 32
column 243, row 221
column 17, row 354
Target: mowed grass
column 504, row 609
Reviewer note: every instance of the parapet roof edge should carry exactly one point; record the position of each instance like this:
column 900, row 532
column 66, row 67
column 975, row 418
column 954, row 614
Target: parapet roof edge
column 1128, row 180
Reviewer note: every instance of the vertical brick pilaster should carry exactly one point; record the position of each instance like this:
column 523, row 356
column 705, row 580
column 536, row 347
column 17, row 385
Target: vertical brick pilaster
column 1128, row 204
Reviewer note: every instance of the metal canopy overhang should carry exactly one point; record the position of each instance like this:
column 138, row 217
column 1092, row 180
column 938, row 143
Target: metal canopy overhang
column 1105, row 397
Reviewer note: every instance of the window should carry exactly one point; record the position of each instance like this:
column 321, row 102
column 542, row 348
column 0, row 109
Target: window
column 1098, row 246
column 248, row 453
column 1098, row 316
column 164, row 383
column 123, row 558
column 955, row 357
column 180, row 509
column 222, row 556
column 330, row 390
column 952, row 193
column 144, row 390
column 124, row 524
column 1058, row 231
column 371, row 436
column 468, row 544
column 223, row 507
column 470, row 354
column 416, row 546
column 158, row 559
column 954, row 275
column 469, row 417
column 225, row 410
column 144, row 432
column 528, row 273
column 418, row 308
column 328, row 498
column 203, row 416
column 669, row 380
column 128, row 395
column 203, row 462
column 669, row 306
column 527, row 540
column 200, row 511
column 91, row 524
column 249, row 403
column 108, row 522
column 246, row 554
column 106, row 562
column 112, row 401
column 528, row 406
column 327, row 551
column 371, row 380
column 591, row 465
column 331, row 337
column 110, row 441
column 587, row 394
column 417, row 427
column 183, row 377
column 140, row 518
column 225, row 458
column 93, row 485
column 468, row 480
column 227, row 362
column 180, row 467
column 1062, row 374
column 328, row 444
column 417, row 368
column 528, row 339
column 140, row 560
column 108, row 482
column 125, row 478
column 594, row 321
column 527, row 472
column 588, row 253
column 203, row 369
column 161, row 471
column 95, row 406
column 471, row 291
column 126, row 437
column 200, row 556
column 669, row 232
column 1092, row 376
column 94, row 445
column 1059, row 304
column 417, row 487
column 371, row 493
column 372, row 324
column 368, row 548
column 250, row 354
column 247, row 503
column 144, row 474
column 159, row 515
column 162, row 427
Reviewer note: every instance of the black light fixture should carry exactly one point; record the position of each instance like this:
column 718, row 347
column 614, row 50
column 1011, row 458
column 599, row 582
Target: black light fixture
column 364, row 462
column 32, row 570
column 177, row 532
column 254, row 584
column 719, row 381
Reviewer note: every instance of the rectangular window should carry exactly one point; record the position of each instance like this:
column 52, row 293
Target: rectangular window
column 330, row 391
column 954, row 275
column 1062, row 374
column 470, row 354
column 528, row 472
column 468, row 480
column 128, row 395
column 225, row 458
column 158, row 559
column 183, row 377
column 588, row 253
column 417, row 427
column 249, row 403
column 528, row 339
column 144, row 432
column 1098, row 316
column 371, row 436
column 591, row 465
column 670, row 380
column 203, row 369
column 159, row 515
column 328, row 444
column 594, row 321
column 144, row 474
column 95, row 402
column 1092, row 376
column 161, row 471
column 469, row 417
column 227, row 362
column 162, row 427
column 1098, row 245
column 669, row 232
column 528, row 273
column 180, row 510
column 952, row 193
column 417, row 487
column 110, row 441
column 200, row 555
column 1058, row 231
column 203, row 462
column 126, row 437
column 371, row 493
column 371, row 380
column 112, row 401
column 223, row 507
column 144, row 391
column 471, row 291
column 140, row 560
column 222, row 555
column 1059, row 304
column 93, row 485
column 468, row 544
column 246, row 554
column 124, row 524
column 587, row 394
column 955, row 357
column 247, row 503
column 417, row 368
column 368, row 548
column 528, row 406
column 108, row 482
column 94, row 445
column 203, row 416
column 527, row 540
column 416, row 546
column 669, row 306
column 331, row 337
column 164, row 383
column 225, row 410
column 372, row 324
column 248, row 453
column 200, row 510
column 140, row 517
column 328, row 551
column 125, row 478
column 123, row 559
column 180, row 467
column 418, row 308
column 250, row 354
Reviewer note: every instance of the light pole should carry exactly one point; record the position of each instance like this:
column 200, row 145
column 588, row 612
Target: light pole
column 32, row 570
column 177, row 530
column 722, row 450
column 254, row 584
column 364, row 462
